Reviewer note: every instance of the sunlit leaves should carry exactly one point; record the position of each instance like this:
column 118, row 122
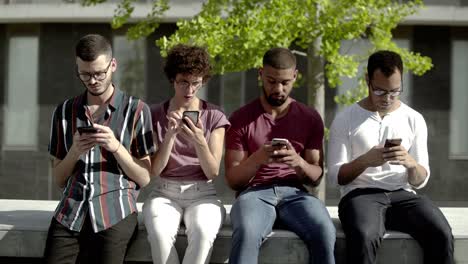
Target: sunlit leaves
column 236, row 33
column 353, row 95
column 147, row 26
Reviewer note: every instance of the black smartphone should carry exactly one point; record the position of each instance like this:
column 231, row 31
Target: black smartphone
column 87, row 129
column 192, row 115
column 393, row 142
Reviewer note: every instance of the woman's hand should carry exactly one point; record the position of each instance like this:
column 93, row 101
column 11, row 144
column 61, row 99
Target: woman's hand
column 174, row 120
column 193, row 132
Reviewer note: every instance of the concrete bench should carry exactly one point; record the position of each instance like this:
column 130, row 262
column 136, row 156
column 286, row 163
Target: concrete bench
column 24, row 225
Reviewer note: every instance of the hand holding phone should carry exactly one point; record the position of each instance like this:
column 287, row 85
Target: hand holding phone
column 192, row 115
column 87, row 129
column 279, row 144
column 392, row 142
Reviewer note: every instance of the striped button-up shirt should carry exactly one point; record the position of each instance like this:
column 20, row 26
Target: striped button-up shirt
column 98, row 185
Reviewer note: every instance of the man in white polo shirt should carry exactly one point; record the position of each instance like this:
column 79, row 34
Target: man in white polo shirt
column 377, row 179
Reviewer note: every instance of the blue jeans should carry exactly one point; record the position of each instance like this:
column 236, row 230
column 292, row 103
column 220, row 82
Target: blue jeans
column 256, row 209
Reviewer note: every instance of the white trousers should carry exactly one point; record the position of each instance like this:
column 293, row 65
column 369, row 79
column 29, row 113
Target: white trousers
column 202, row 212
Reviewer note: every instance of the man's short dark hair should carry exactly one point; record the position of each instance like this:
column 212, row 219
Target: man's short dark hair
column 279, row 58
column 92, row 46
column 186, row 59
column 386, row 61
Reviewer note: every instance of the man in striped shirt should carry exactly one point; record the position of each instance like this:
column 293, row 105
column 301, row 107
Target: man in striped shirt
column 100, row 142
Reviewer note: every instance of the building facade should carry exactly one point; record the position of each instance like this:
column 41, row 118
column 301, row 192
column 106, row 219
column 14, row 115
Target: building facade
column 37, row 71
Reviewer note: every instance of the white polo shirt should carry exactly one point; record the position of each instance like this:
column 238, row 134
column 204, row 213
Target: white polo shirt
column 356, row 130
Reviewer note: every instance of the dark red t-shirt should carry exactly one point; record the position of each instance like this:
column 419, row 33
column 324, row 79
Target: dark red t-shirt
column 251, row 127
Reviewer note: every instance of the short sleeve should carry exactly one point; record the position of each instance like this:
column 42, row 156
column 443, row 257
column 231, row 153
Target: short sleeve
column 56, row 146
column 142, row 144
column 235, row 138
column 315, row 140
column 220, row 120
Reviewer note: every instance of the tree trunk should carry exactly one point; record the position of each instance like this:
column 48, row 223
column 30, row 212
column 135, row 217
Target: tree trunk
column 316, row 96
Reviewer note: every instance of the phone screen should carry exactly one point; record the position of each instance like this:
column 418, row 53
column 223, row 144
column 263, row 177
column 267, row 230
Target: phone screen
column 87, row 129
column 392, row 142
column 193, row 115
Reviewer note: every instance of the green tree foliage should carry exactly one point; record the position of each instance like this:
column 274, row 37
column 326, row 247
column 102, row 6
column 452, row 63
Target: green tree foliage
column 237, row 33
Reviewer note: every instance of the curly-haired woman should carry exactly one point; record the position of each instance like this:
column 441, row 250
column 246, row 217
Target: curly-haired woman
column 187, row 160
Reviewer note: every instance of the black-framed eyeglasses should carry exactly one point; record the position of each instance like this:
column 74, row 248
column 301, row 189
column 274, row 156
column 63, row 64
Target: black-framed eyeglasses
column 98, row 76
column 185, row 84
column 380, row 92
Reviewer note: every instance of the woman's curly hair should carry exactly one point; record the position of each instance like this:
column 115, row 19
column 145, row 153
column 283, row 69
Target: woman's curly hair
column 187, row 59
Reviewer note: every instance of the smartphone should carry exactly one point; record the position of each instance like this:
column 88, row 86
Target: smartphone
column 279, row 142
column 392, row 142
column 192, row 115
column 87, row 129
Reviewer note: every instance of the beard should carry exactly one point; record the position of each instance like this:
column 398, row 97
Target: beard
column 275, row 102
column 106, row 84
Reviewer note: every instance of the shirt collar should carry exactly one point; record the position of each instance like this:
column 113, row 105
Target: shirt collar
column 114, row 101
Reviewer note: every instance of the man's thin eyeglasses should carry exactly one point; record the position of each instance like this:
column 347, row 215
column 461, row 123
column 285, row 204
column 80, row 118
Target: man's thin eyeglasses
column 98, row 76
column 379, row 92
column 185, row 84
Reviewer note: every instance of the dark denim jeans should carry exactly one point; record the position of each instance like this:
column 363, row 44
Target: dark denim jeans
column 365, row 214
column 256, row 209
